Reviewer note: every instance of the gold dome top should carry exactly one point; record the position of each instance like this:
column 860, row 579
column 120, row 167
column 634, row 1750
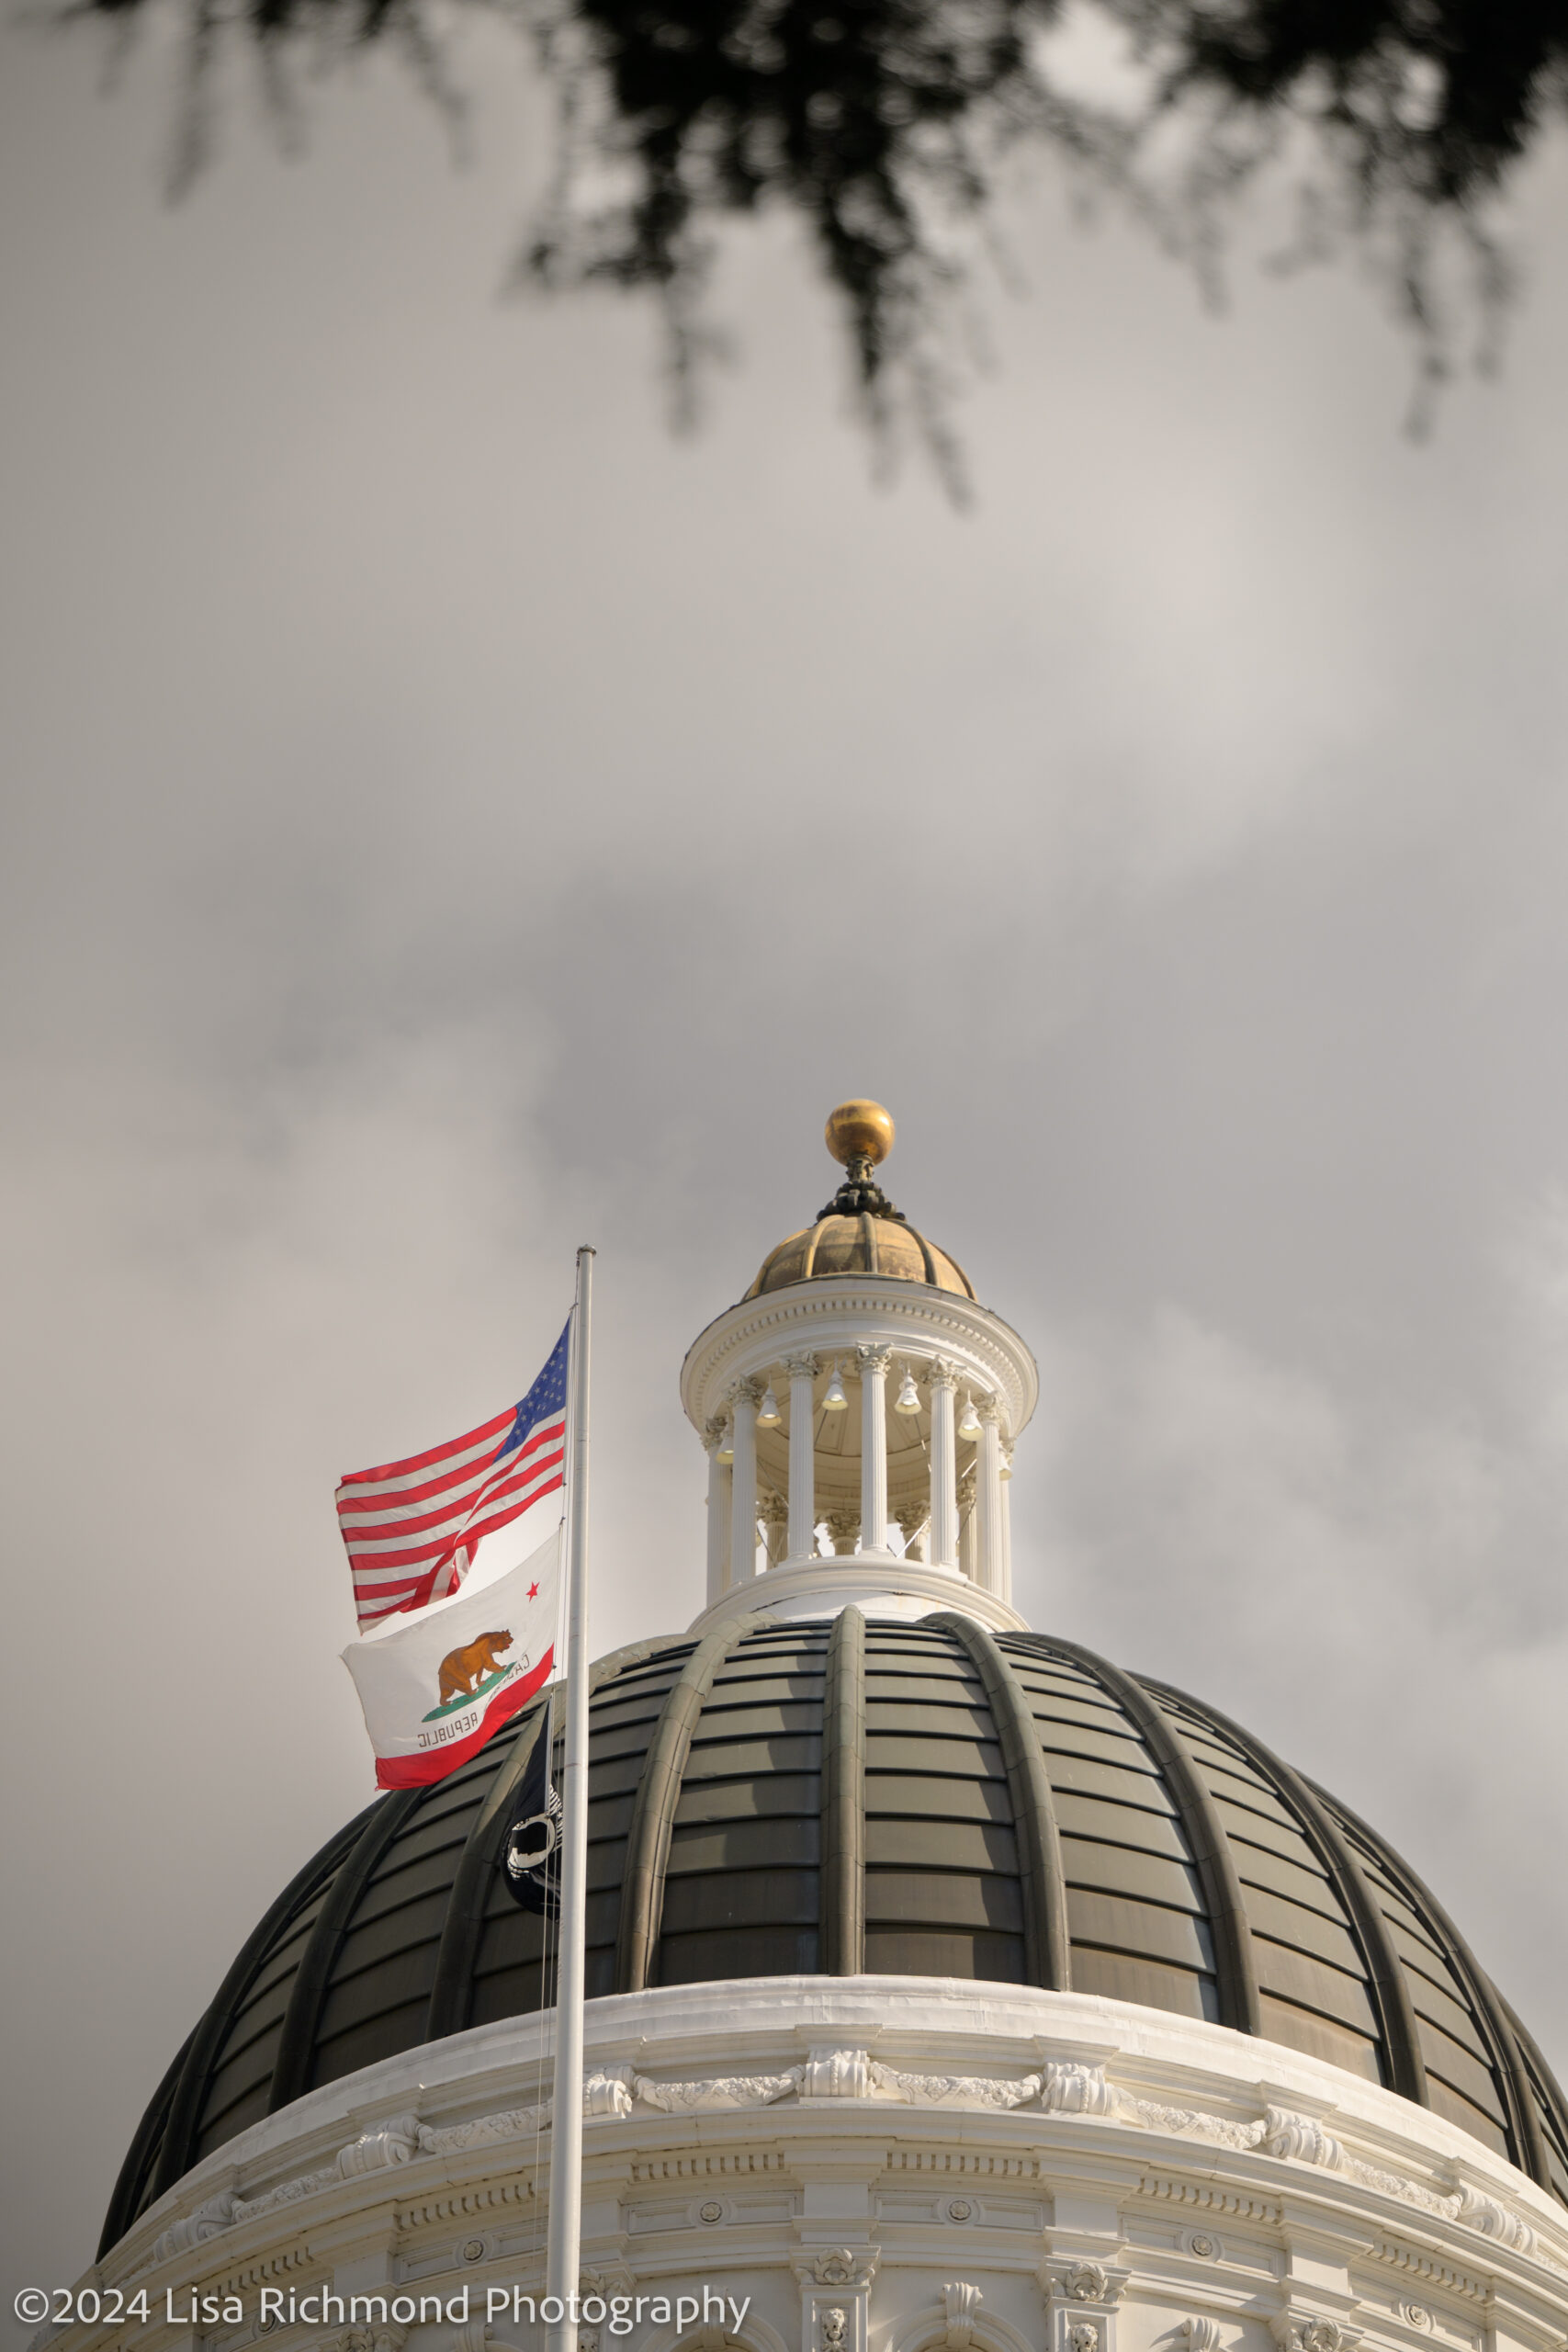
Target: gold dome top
column 860, row 1131
column 859, row 1231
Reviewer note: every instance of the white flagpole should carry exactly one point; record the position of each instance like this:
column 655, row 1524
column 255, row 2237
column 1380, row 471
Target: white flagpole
column 563, row 2259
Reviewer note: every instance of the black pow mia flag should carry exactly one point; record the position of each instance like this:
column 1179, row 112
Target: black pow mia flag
column 530, row 1860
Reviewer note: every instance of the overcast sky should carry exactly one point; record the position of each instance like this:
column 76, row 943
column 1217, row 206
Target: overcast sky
column 450, row 819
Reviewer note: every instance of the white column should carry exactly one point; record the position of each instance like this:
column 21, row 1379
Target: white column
column 1007, row 1524
column 873, row 1364
column 744, row 1399
column 942, row 1543
column 801, row 1371
column 988, row 1498
column 966, row 1525
column 720, row 1484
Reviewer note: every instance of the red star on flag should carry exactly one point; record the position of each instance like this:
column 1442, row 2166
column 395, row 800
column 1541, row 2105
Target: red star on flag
column 533, row 1592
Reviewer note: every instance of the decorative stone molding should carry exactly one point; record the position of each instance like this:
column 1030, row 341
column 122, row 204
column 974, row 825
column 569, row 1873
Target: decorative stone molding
column 836, row 2073
column 803, row 1367
column 1069, row 2088
column 839, row 2265
column 1202, row 2245
column 1079, row 2281
column 1298, row 2331
column 843, row 1528
column 1493, row 2221
column 835, row 2297
column 1301, row 2139
column 873, row 1359
column 942, row 1372
column 608, row 2093
column 718, row 2090
column 392, row 2142
column 208, row 2221
column 746, row 1392
column 713, row 1428
column 485, row 2130
column 954, row 2090
column 1200, row 2334
column 959, row 2301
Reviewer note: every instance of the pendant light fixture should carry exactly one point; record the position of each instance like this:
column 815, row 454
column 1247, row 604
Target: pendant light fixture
column 908, row 1397
column 768, row 1414
column 835, row 1401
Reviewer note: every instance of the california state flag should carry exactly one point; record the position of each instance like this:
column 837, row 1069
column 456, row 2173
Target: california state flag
column 436, row 1683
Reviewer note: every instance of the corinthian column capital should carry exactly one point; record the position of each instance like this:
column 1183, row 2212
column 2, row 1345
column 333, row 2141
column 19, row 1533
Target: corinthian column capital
column 872, row 1359
column 942, row 1372
column 802, row 1367
column 746, row 1392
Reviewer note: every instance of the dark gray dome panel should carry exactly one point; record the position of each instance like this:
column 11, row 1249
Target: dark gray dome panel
column 912, row 1800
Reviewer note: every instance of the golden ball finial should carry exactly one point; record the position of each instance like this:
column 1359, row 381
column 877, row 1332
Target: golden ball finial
column 860, row 1131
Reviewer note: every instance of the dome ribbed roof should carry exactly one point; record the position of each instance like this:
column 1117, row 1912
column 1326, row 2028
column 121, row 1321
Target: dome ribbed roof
column 1015, row 1809
column 860, row 1245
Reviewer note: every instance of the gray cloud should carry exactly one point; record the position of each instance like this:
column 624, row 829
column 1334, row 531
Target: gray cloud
column 449, row 820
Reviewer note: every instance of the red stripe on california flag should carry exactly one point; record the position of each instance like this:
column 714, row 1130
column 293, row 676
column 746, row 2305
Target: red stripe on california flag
column 419, row 1771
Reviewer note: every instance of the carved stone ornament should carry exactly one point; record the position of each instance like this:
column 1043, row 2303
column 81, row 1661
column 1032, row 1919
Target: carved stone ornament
column 1303, row 2332
column 393, row 2143
column 1071, row 2088
column 989, row 1408
column 954, row 2090
column 1079, row 2281
column 387, row 2337
column 718, row 2090
column 838, row 2266
column 834, row 2330
column 942, row 1372
column 746, row 1392
column 960, row 2301
column 843, row 1529
column 1416, row 2315
column 1084, row 2336
column 803, row 1367
column 836, row 2073
column 1301, row 2137
column 609, row 2093
column 713, row 1428
column 485, row 2130
column 1493, row 2221
column 873, row 1359
column 1201, row 2334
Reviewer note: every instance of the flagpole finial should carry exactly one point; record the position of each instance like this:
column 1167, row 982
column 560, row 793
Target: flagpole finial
column 860, row 1130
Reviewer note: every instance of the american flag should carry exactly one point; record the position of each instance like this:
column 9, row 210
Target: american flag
column 412, row 1528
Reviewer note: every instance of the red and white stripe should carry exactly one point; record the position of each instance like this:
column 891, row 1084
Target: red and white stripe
column 412, row 1528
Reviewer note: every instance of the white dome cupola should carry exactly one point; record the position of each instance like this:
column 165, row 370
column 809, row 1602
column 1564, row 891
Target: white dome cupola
column 859, row 1409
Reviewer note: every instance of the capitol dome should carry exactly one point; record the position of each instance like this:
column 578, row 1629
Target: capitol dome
column 837, row 1797
column 950, row 1988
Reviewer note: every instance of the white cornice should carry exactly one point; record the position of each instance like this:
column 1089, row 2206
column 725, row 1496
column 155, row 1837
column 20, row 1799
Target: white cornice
column 841, row 1312
column 877, row 1582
